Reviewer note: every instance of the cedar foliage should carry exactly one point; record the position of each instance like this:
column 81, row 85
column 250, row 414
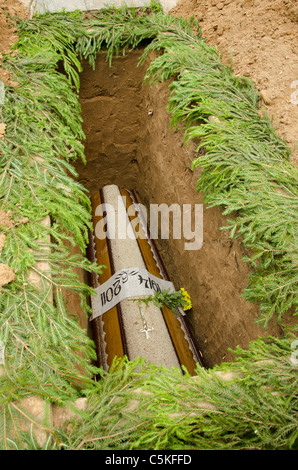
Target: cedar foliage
column 246, row 171
column 142, row 406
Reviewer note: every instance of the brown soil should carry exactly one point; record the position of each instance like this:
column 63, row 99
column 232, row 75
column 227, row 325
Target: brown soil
column 144, row 155
column 8, row 37
column 6, row 273
column 260, row 36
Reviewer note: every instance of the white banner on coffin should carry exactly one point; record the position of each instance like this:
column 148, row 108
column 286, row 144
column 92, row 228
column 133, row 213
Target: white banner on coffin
column 131, row 282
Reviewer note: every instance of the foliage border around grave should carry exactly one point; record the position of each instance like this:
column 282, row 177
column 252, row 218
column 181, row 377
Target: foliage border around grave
column 246, row 171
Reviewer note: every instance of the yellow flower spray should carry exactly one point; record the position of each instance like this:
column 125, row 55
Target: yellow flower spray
column 175, row 300
column 186, row 300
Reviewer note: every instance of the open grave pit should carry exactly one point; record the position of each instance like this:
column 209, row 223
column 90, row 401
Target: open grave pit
column 130, row 143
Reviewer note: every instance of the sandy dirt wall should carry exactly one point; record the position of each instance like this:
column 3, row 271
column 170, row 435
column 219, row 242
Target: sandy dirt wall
column 111, row 102
column 214, row 276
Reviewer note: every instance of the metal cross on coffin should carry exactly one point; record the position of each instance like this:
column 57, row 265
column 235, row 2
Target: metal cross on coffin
column 146, row 331
column 145, row 326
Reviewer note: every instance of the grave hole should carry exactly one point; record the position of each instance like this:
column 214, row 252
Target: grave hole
column 129, row 143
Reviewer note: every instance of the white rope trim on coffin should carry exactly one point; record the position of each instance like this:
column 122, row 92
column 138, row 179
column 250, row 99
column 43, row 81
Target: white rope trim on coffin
column 126, row 283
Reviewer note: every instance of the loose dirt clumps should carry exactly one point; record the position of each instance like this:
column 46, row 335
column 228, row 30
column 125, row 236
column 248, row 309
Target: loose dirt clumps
column 6, row 273
column 8, row 36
